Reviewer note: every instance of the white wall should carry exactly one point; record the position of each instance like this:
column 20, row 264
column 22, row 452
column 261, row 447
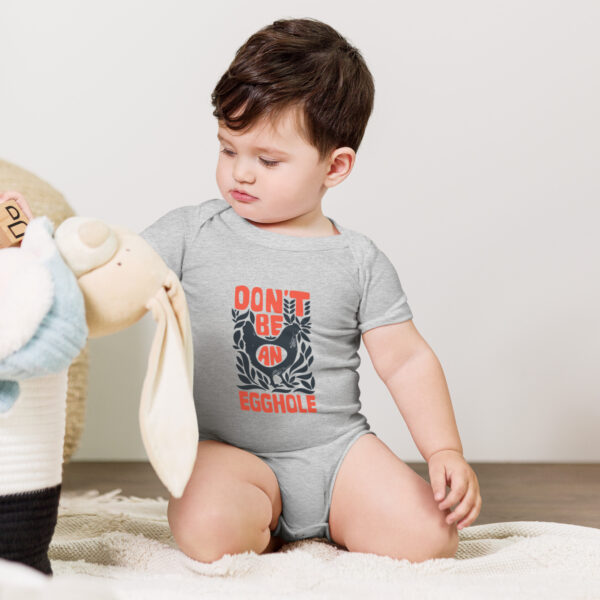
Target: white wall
column 478, row 176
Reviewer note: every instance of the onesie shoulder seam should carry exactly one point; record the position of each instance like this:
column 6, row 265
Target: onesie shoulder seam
column 359, row 245
column 205, row 211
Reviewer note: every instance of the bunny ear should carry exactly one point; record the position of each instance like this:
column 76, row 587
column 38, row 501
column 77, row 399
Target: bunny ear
column 177, row 299
column 167, row 413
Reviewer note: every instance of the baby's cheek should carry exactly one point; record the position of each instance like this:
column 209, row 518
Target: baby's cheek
column 290, row 188
column 221, row 177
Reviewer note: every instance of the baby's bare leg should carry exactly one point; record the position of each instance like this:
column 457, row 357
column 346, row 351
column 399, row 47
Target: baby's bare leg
column 381, row 506
column 230, row 505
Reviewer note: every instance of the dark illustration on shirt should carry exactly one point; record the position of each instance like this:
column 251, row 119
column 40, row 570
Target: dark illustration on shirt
column 271, row 337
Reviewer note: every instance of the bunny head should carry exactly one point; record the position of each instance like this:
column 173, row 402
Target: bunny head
column 117, row 271
column 122, row 277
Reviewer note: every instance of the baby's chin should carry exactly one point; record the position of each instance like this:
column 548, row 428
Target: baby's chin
column 255, row 211
column 247, row 212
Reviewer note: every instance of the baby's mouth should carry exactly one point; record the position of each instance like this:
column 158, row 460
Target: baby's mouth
column 242, row 196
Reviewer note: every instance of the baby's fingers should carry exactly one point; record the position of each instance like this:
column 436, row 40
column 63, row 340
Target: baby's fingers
column 472, row 514
column 437, row 477
column 458, row 490
column 463, row 508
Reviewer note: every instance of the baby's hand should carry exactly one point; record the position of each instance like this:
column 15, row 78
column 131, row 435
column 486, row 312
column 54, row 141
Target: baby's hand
column 449, row 466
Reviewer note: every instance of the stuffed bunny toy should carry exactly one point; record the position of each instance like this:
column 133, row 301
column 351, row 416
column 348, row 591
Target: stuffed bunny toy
column 90, row 279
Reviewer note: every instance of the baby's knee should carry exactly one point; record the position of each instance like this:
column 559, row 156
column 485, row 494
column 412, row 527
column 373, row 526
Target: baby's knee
column 442, row 539
column 206, row 533
column 448, row 542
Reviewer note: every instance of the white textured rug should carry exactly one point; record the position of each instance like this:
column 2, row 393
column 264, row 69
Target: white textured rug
column 109, row 546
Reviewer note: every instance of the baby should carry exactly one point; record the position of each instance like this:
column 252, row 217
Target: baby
column 279, row 297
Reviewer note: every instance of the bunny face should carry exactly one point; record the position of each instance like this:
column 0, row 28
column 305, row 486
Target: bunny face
column 116, row 294
column 117, row 271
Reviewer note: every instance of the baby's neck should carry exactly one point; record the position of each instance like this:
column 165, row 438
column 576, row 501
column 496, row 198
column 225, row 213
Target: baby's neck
column 323, row 227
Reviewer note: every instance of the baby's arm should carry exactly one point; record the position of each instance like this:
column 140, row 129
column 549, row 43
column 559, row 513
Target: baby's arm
column 413, row 374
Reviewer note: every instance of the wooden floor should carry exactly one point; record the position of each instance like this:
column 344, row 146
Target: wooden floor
column 563, row 493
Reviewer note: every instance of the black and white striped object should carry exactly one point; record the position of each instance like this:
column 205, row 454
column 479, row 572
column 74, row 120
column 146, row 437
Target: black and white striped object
column 31, row 449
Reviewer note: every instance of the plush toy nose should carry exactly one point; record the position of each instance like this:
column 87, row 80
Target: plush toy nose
column 85, row 244
column 94, row 233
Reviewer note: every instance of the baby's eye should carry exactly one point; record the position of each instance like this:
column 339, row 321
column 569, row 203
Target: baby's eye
column 269, row 163
column 227, row 152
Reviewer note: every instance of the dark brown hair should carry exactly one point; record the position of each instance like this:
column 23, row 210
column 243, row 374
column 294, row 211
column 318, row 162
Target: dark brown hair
column 305, row 64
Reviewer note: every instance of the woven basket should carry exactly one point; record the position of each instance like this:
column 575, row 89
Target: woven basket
column 45, row 200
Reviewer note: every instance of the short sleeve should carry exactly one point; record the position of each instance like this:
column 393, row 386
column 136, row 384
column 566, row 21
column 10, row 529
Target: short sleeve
column 383, row 300
column 167, row 236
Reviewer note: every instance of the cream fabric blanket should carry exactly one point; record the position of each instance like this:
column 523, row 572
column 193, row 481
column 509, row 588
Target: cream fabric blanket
column 109, row 546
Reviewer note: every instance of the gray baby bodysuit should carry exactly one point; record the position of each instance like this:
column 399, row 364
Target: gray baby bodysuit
column 276, row 325
column 276, row 322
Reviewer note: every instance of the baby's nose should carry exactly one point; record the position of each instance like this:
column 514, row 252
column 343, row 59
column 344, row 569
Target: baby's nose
column 243, row 172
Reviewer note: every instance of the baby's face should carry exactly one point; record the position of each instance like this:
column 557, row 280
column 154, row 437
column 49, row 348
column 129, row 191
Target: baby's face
column 274, row 165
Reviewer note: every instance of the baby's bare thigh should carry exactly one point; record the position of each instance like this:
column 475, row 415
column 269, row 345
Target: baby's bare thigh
column 231, row 503
column 382, row 506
